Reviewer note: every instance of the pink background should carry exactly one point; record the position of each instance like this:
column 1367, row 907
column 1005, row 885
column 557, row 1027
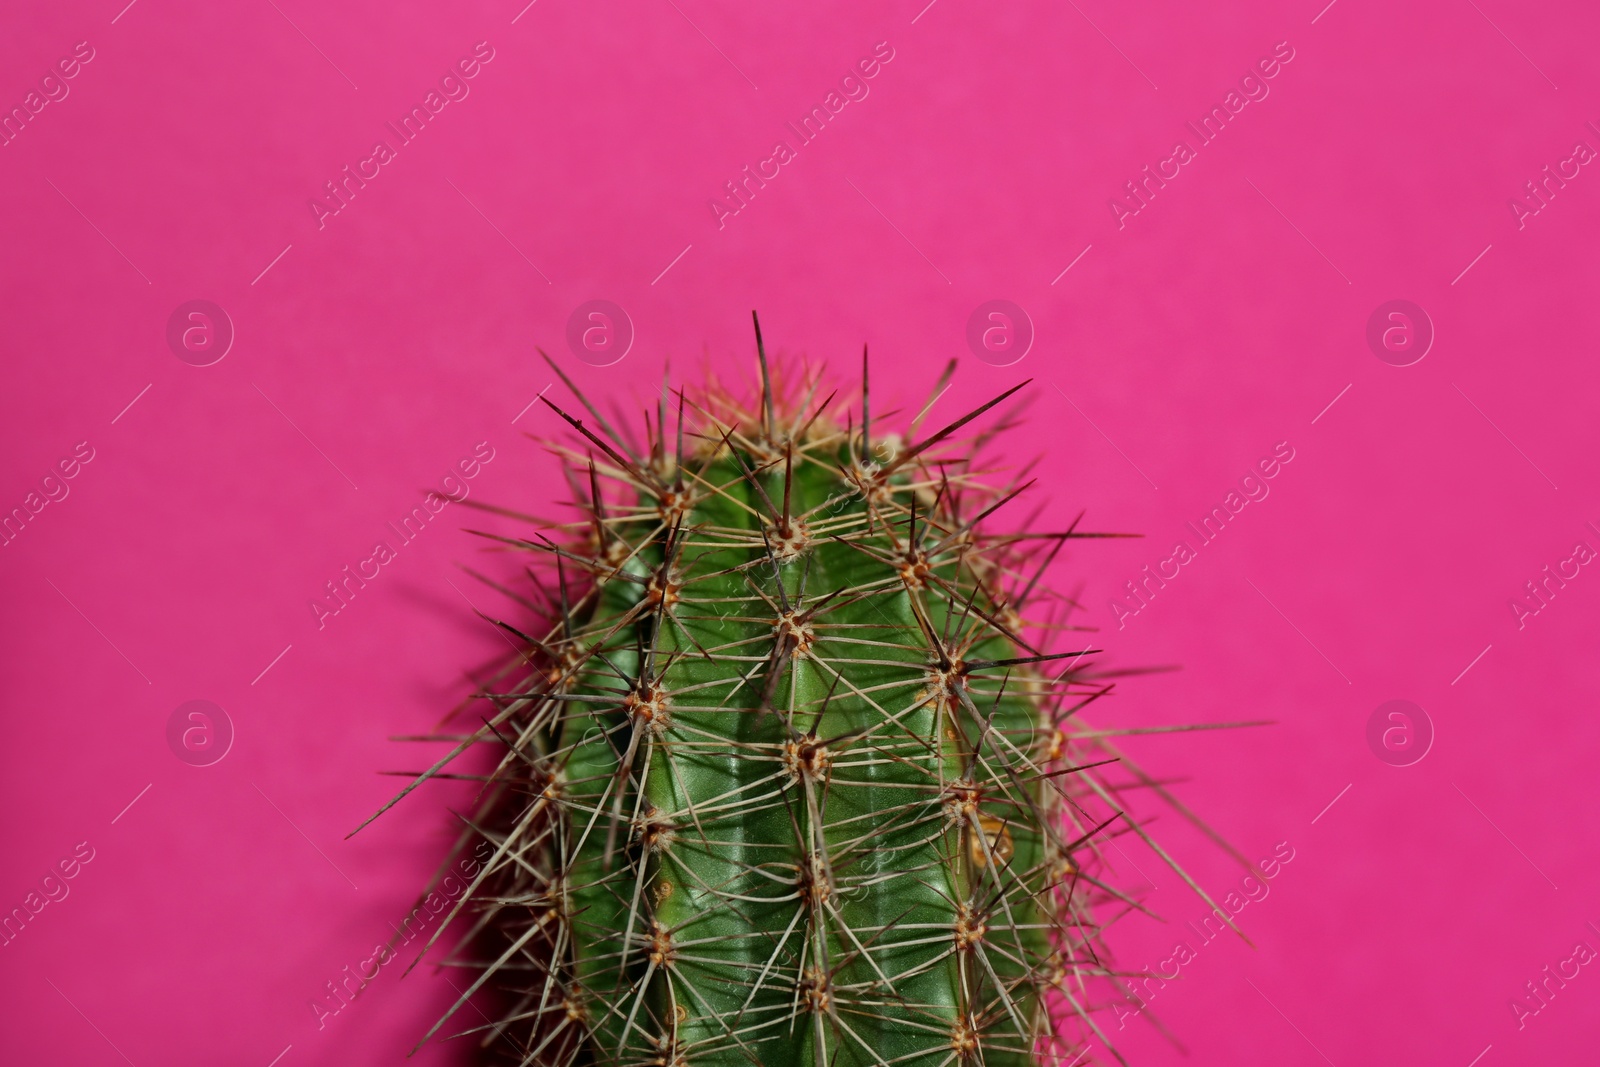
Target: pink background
column 982, row 161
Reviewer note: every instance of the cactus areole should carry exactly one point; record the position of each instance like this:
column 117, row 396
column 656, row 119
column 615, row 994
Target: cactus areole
column 788, row 781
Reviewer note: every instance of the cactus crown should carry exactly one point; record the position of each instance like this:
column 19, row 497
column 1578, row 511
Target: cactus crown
column 788, row 780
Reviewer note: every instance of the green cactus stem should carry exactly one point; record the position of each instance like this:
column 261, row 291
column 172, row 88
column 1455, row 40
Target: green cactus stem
column 790, row 780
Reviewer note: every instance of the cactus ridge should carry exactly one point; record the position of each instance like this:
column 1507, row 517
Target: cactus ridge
column 790, row 779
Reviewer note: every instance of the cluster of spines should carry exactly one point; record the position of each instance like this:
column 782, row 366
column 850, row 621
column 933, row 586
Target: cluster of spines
column 898, row 859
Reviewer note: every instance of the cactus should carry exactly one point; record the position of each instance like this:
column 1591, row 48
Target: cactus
column 788, row 780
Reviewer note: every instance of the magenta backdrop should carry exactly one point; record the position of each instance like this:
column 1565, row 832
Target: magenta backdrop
column 1193, row 329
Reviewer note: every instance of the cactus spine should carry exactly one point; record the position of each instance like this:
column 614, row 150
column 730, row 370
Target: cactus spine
column 788, row 781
